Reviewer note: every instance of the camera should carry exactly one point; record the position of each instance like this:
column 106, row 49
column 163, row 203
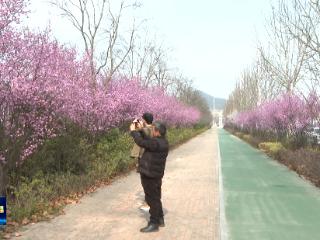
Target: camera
column 136, row 123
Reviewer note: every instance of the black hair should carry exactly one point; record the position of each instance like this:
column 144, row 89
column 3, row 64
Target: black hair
column 148, row 117
column 161, row 127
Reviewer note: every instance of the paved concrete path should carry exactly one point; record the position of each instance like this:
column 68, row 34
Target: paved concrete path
column 263, row 199
column 190, row 201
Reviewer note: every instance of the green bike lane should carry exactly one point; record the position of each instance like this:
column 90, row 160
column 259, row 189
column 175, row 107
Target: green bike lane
column 263, row 199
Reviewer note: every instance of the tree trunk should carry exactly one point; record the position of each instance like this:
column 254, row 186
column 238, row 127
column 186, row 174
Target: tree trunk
column 3, row 180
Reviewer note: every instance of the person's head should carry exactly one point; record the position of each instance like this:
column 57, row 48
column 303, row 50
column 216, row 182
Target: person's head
column 147, row 118
column 160, row 129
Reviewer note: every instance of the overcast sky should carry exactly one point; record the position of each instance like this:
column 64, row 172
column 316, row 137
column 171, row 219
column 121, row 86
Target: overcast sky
column 212, row 41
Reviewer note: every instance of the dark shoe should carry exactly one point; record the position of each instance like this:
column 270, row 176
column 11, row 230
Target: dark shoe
column 150, row 228
column 161, row 222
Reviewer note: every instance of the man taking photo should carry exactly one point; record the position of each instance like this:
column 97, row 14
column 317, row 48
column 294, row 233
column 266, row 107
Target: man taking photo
column 144, row 125
column 151, row 168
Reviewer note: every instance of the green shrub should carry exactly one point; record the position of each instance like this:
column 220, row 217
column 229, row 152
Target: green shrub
column 112, row 153
column 272, row 148
column 30, row 197
column 72, row 163
column 67, row 153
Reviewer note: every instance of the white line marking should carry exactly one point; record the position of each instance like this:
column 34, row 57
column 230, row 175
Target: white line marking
column 223, row 222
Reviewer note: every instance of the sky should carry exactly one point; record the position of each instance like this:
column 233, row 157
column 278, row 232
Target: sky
column 211, row 41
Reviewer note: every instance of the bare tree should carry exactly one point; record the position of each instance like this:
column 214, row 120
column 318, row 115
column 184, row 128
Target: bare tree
column 280, row 67
column 267, row 87
column 286, row 55
column 301, row 19
column 99, row 26
column 149, row 62
column 254, row 87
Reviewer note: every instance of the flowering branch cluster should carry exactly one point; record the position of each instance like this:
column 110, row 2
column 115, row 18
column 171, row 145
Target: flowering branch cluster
column 289, row 114
column 44, row 84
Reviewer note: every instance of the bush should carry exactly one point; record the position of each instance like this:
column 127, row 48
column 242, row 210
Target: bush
column 247, row 137
column 296, row 141
column 69, row 153
column 30, row 197
column 305, row 162
column 112, row 154
column 271, row 148
column 239, row 134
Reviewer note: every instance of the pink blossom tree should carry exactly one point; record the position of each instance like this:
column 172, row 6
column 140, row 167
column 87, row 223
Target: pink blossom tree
column 287, row 116
column 44, row 85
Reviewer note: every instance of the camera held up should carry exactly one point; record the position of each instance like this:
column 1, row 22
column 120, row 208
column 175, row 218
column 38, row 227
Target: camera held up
column 137, row 123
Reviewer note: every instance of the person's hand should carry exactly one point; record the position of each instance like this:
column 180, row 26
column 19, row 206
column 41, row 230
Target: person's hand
column 132, row 127
column 140, row 125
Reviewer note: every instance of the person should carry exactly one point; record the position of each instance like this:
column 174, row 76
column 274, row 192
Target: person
column 151, row 168
column 137, row 152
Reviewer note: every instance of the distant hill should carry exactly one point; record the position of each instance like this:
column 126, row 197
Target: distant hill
column 213, row 103
column 220, row 103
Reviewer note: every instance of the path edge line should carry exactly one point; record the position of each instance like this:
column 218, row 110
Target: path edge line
column 223, row 231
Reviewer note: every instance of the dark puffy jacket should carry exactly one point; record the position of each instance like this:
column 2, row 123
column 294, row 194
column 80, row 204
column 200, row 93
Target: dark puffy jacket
column 153, row 160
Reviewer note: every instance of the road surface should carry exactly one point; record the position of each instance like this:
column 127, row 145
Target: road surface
column 264, row 200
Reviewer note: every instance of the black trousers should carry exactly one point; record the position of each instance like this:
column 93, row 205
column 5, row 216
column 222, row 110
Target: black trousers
column 152, row 191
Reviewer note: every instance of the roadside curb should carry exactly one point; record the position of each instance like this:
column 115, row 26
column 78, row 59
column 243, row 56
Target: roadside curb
column 223, row 229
